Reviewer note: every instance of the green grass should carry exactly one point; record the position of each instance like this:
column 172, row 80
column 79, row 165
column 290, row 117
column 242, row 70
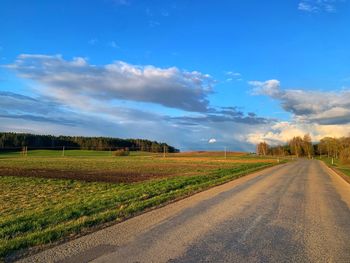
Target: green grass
column 75, row 153
column 344, row 168
column 36, row 211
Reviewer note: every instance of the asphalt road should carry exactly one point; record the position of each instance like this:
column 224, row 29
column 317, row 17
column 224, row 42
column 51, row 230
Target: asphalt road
column 298, row 212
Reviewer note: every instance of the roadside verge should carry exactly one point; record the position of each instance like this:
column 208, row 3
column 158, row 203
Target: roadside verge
column 337, row 171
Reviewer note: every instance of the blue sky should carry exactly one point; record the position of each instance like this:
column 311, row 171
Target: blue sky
column 177, row 71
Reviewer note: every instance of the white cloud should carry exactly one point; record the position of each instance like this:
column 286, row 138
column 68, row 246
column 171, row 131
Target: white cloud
column 269, row 87
column 74, row 97
column 232, row 75
column 322, row 107
column 44, row 116
column 282, row 132
column 307, row 7
column 212, row 140
column 64, row 80
column 312, row 6
column 319, row 113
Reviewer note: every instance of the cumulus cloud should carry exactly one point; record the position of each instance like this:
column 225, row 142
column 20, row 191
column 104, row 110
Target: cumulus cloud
column 319, row 113
column 321, row 107
column 64, row 79
column 31, row 115
column 282, row 132
column 212, row 140
column 74, row 97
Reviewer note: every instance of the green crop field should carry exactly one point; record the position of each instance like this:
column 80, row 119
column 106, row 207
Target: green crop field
column 45, row 197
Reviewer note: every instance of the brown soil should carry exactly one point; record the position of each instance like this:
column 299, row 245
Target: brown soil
column 89, row 176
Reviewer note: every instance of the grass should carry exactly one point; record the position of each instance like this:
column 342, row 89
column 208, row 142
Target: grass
column 37, row 211
column 67, row 153
column 344, row 168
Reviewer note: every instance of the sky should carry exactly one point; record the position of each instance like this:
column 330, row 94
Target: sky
column 199, row 75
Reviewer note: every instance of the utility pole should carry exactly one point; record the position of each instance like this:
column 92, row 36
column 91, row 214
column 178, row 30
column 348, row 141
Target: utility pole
column 163, row 151
column 63, row 151
column 225, row 153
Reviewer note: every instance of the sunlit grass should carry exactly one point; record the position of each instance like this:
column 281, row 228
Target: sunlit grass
column 344, row 168
column 36, row 211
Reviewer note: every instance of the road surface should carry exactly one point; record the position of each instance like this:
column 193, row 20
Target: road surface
column 297, row 212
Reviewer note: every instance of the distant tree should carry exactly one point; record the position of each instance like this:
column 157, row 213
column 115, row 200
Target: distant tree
column 19, row 140
column 296, row 146
column 307, row 147
column 262, row 148
column 345, row 155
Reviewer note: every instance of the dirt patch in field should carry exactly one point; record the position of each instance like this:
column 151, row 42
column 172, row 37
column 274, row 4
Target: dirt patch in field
column 213, row 161
column 207, row 154
column 89, row 176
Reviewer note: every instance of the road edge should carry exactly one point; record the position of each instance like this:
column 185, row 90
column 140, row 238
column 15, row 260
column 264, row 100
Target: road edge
column 336, row 171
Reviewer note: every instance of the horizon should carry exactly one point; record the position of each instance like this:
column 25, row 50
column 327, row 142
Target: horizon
column 195, row 75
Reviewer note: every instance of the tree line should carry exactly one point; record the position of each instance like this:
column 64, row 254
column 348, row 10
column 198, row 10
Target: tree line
column 9, row 140
column 338, row 148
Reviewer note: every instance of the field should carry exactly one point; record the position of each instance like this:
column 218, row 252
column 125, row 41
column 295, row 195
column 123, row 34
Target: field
column 46, row 197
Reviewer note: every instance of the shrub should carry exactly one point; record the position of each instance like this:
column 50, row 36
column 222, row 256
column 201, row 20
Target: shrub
column 122, row 152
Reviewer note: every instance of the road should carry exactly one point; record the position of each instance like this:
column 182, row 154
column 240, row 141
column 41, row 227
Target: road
column 297, row 212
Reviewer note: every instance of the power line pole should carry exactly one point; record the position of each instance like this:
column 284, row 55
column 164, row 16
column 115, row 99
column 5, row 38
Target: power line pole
column 63, row 151
column 225, row 153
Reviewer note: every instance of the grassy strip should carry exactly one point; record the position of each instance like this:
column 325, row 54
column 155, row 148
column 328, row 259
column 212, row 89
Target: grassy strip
column 37, row 211
column 343, row 170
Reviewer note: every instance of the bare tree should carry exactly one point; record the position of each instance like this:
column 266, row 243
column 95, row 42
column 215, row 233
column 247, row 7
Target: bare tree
column 296, row 146
column 307, row 145
column 262, row 148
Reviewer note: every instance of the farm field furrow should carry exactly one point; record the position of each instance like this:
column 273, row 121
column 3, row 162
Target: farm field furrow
column 38, row 207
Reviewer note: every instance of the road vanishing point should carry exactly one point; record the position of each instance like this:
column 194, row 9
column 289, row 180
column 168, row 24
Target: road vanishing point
column 295, row 212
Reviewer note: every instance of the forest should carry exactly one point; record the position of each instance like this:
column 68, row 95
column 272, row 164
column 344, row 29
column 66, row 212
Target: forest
column 15, row 141
column 338, row 148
